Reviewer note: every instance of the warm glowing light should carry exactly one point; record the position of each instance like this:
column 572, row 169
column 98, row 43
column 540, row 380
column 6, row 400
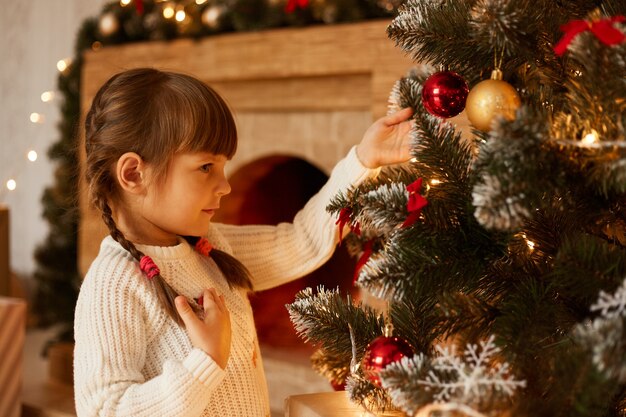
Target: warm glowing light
column 47, row 96
column 32, row 156
column 36, row 118
column 198, row 2
column 590, row 138
column 63, row 64
column 531, row 244
column 168, row 12
column 413, row 159
column 435, row 182
column 124, row 2
column 11, row 184
column 180, row 15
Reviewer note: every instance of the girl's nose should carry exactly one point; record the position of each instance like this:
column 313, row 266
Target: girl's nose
column 223, row 187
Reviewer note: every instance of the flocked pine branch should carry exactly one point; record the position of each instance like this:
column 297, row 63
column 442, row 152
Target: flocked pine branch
column 476, row 379
column 605, row 335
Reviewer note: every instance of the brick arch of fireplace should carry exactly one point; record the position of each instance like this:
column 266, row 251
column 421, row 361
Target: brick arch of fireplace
column 271, row 190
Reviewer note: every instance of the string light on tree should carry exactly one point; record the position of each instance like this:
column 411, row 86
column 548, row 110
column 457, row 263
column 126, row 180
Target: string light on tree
column 490, row 99
column 32, row 155
column 590, row 138
column 11, row 184
column 124, row 3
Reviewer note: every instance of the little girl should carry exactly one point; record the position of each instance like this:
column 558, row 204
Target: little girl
column 163, row 324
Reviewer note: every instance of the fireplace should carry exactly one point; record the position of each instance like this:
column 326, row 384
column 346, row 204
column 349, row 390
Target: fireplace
column 271, row 190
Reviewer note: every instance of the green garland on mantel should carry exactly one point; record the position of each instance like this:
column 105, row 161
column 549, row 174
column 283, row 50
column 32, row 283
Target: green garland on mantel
column 57, row 275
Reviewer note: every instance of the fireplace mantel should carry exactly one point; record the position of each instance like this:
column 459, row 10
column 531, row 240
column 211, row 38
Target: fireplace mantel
column 309, row 92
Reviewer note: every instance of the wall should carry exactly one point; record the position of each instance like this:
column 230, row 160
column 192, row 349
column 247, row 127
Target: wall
column 35, row 35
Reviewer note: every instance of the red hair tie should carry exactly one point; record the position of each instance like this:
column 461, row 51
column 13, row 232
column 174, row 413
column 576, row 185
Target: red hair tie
column 148, row 267
column 203, row 246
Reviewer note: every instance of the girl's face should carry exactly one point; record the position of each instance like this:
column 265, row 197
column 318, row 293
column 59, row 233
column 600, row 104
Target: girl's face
column 187, row 199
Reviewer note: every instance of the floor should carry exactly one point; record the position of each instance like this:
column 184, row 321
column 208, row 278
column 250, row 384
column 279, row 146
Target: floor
column 288, row 373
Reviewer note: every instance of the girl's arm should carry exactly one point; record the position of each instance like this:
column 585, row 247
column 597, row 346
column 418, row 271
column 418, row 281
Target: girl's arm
column 277, row 254
column 116, row 316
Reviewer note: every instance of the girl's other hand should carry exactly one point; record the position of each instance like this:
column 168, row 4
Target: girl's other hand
column 213, row 333
column 387, row 141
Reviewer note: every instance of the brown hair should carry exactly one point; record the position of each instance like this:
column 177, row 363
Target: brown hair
column 156, row 114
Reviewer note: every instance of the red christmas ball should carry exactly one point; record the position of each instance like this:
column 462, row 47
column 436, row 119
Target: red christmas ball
column 444, row 94
column 381, row 352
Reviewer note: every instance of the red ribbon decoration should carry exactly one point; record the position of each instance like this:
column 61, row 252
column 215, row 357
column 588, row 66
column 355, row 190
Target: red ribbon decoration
column 139, row 7
column 344, row 218
column 368, row 249
column 603, row 29
column 292, row 5
column 415, row 204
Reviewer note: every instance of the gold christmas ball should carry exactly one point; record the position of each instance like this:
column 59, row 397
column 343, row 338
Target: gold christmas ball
column 489, row 99
column 108, row 24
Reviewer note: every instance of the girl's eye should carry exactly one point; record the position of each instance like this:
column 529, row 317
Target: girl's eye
column 206, row 167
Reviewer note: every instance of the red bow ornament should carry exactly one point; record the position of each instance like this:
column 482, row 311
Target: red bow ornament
column 415, row 204
column 344, row 218
column 292, row 5
column 602, row 29
column 368, row 249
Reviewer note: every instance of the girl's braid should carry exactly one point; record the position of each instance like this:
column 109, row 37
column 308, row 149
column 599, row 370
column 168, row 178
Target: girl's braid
column 165, row 292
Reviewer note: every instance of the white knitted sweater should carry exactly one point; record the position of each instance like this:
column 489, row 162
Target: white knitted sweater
column 131, row 359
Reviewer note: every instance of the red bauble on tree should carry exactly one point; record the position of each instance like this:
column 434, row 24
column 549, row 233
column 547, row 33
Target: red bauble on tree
column 383, row 351
column 444, row 94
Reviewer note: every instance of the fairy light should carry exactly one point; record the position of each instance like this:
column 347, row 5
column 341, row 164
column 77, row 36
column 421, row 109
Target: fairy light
column 168, row 11
column 47, row 96
column 413, row 159
column 180, row 15
column 124, row 3
column 36, row 118
column 199, row 2
column 530, row 243
column 590, row 138
column 435, row 182
column 32, row 156
column 11, row 184
column 63, row 64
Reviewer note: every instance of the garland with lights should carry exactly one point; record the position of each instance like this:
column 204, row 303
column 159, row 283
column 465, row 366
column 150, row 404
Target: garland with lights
column 127, row 21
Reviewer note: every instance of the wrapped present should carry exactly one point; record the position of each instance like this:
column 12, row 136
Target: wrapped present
column 12, row 331
column 329, row 404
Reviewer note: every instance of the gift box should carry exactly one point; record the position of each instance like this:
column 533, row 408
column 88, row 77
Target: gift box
column 12, row 331
column 329, row 404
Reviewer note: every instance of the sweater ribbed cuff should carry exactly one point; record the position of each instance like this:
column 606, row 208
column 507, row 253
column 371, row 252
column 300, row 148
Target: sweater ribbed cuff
column 203, row 367
column 355, row 170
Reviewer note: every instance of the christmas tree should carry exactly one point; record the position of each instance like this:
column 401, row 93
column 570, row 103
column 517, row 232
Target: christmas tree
column 501, row 256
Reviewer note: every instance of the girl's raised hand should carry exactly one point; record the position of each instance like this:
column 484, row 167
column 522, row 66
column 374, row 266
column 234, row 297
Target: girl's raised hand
column 387, row 141
column 213, row 333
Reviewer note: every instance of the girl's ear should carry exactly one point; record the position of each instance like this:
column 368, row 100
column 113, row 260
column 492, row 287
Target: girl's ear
column 130, row 172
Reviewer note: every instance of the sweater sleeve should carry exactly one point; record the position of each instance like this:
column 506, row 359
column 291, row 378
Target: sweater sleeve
column 112, row 333
column 278, row 254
